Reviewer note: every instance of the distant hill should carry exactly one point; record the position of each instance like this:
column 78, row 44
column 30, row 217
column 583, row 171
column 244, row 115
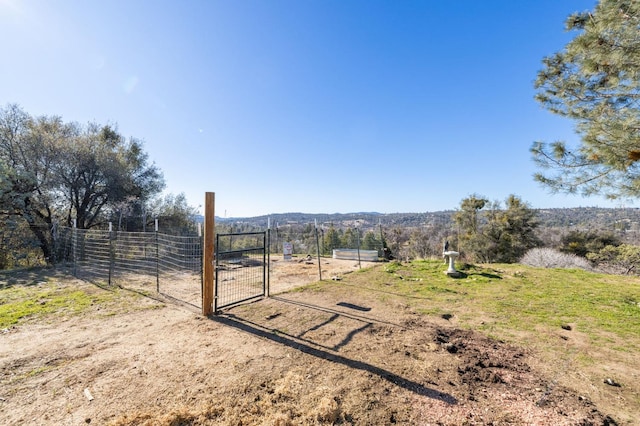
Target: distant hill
column 578, row 217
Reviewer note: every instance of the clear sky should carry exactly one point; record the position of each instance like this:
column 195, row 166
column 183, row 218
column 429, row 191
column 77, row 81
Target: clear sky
column 315, row 106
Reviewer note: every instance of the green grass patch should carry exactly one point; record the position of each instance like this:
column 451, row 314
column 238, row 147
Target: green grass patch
column 49, row 299
column 18, row 303
column 504, row 300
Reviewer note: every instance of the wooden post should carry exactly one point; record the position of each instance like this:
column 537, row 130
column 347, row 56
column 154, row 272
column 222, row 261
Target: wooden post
column 208, row 260
column 318, row 249
column 358, row 238
column 157, row 257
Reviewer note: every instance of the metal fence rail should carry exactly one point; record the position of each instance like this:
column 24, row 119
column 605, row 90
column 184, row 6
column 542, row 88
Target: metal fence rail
column 180, row 253
column 91, row 254
column 142, row 261
column 241, row 268
column 134, row 253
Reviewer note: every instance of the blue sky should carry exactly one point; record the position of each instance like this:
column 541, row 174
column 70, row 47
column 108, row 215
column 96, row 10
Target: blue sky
column 304, row 106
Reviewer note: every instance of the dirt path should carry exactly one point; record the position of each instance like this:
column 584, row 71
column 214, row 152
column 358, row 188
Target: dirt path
column 285, row 275
column 332, row 356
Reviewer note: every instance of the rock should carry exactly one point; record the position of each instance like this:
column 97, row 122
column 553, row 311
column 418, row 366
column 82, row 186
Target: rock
column 451, row 348
column 612, row 382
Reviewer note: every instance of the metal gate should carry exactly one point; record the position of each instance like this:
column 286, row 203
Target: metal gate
column 241, row 268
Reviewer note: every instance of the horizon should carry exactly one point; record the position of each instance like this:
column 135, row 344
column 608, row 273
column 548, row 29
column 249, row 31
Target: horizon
column 266, row 216
column 305, row 106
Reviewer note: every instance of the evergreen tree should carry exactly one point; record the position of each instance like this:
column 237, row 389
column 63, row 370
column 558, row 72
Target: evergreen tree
column 350, row 238
column 471, row 240
column 371, row 242
column 504, row 234
column 331, row 240
column 595, row 81
column 174, row 214
column 514, row 231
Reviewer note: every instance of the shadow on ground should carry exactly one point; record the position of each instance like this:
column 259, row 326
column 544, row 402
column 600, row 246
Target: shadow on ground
column 302, row 343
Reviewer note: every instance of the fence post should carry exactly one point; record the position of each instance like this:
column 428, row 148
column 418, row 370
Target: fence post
column 112, row 254
column 318, row 249
column 265, row 261
column 201, row 240
column 208, row 254
column 74, row 237
column 157, row 258
column 358, row 239
column 382, row 252
column 56, row 244
column 268, row 247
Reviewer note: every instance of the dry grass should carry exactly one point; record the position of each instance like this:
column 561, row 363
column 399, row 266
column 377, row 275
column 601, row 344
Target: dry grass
column 395, row 344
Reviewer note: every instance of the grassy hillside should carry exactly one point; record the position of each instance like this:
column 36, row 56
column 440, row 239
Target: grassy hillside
column 508, row 300
column 579, row 330
column 504, row 301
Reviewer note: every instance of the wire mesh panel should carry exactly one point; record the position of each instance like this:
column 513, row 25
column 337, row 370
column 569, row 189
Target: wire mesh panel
column 135, row 261
column 147, row 262
column 180, row 268
column 154, row 262
column 240, row 268
column 91, row 254
column 63, row 245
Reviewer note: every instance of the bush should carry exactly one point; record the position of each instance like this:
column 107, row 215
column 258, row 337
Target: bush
column 582, row 243
column 622, row 259
column 550, row 258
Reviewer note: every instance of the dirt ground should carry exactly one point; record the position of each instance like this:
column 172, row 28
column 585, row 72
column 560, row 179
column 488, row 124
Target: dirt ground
column 339, row 355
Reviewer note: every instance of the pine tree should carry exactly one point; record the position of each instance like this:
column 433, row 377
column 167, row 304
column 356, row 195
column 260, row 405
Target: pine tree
column 595, row 81
column 331, row 239
column 503, row 235
column 350, row 238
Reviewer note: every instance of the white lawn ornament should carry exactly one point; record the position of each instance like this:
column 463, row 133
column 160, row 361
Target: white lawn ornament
column 451, row 271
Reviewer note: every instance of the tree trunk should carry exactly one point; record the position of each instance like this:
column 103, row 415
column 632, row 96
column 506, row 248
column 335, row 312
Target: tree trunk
column 44, row 240
column 40, row 226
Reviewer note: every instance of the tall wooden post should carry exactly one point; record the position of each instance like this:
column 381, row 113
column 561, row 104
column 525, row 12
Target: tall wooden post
column 318, row 250
column 208, row 260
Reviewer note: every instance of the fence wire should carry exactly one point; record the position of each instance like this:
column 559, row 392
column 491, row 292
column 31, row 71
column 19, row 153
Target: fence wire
column 240, row 268
column 142, row 261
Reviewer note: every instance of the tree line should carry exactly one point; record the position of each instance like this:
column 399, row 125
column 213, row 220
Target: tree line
column 56, row 173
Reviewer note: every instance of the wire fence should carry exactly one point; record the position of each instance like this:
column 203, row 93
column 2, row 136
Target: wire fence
column 171, row 265
column 386, row 241
column 146, row 262
column 241, row 271
column 307, row 239
column 153, row 262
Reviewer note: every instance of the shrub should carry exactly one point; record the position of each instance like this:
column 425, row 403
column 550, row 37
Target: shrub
column 582, row 243
column 622, row 259
column 549, row 258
